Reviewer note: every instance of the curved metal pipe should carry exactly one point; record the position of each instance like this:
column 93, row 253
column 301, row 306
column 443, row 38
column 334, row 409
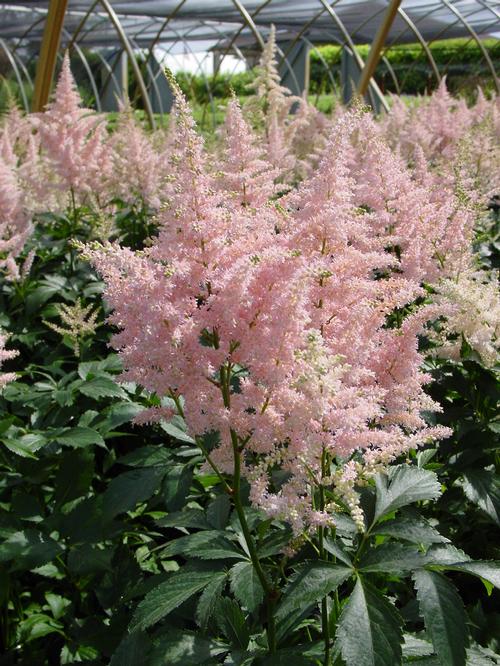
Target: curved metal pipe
column 391, row 71
column 474, row 35
column 151, row 77
column 110, row 75
column 249, row 21
column 236, row 35
column 13, row 64
column 356, row 55
column 126, row 45
column 422, row 41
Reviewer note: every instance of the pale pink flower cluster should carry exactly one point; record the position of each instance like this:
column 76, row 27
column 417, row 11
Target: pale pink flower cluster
column 279, row 304
column 474, row 315
column 451, row 136
column 15, row 225
column 73, row 140
column 271, row 324
column 292, row 131
column 136, row 167
column 5, row 355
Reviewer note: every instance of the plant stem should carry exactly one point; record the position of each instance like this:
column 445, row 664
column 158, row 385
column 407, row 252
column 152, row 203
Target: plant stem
column 325, row 625
column 268, row 590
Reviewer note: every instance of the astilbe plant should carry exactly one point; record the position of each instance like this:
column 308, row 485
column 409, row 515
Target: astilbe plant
column 73, row 142
column 274, row 335
column 136, row 173
column 282, row 324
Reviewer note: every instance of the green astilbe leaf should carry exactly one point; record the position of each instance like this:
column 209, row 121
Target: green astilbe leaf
column 369, row 632
column 404, row 485
column 168, row 596
column 444, row 616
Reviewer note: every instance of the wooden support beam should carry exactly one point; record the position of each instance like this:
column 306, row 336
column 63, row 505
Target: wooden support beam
column 376, row 47
column 48, row 53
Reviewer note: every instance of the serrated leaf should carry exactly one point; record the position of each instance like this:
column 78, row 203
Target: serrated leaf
column 134, row 649
column 274, row 543
column 101, row 387
column 168, row 596
column 232, row 623
column 193, row 518
column 176, row 428
column 444, row 616
column 218, row 512
column 176, row 486
column 80, row 437
column 129, row 488
column 311, row 582
column 120, row 413
column 27, row 445
column 209, row 599
column 416, row 647
column 392, row 558
column 443, row 554
column 38, row 625
column 489, row 571
column 483, row 488
column 412, row 528
column 57, row 604
column 334, row 548
column 185, row 648
column 28, row 549
column 369, row 631
column 404, row 485
column 206, row 545
column 246, row 586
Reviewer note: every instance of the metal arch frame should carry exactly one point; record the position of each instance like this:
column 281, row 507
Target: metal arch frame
column 249, row 21
column 357, row 57
column 14, row 66
column 475, row 36
column 279, row 50
column 442, row 35
column 377, row 46
column 198, row 69
column 323, row 62
column 391, row 71
column 110, row 75
column 237, row 34
column 103, row 19
column 127, row 47
column 307, row 25
column 435, row 38
column 79, row 27
column 422, row 41
column 48, row 53
column 151, row 76
column 155, row 41
column 27, row 32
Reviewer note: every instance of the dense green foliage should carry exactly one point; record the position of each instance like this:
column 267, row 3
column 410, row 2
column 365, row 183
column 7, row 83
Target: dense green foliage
column 461, row 60
column 117, row 548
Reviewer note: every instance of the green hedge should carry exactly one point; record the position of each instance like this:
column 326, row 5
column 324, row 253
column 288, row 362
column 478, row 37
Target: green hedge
column 462, row 59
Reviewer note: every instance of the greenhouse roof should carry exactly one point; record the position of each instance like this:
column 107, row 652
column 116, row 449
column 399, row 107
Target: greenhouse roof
column 202, row 24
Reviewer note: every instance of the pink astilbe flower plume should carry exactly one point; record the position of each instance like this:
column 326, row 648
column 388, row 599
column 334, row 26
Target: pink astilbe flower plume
column 73, row 140
column 5, row 355
column 15, row 226
column 136, row 173
column 274, row 334
column 243, row 172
